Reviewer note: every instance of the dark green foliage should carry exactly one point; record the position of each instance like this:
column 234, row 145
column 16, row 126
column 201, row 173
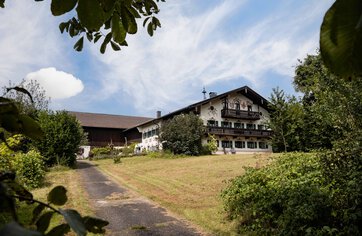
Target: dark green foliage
column 182, row 134
column 95, row 19
column 29, row 168
column 62, row 137
column 286, row 197
column 341, row 38
column 286, row 117
column 29, row 105
column 11, row 192
column 342, row 171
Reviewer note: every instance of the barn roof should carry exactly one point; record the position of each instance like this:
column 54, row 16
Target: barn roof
column 98, row 120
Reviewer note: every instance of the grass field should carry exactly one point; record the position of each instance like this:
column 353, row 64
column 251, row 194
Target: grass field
column 77, row 197
column 189, row 187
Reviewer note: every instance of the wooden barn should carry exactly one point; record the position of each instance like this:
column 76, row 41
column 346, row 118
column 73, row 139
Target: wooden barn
column 105, row 129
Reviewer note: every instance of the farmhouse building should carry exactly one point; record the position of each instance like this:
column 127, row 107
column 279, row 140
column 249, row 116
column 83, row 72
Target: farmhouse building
column 105, row 129
column 236, row 119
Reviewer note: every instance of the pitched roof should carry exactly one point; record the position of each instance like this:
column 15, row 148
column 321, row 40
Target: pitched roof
column 87, row 119
column 245, row 90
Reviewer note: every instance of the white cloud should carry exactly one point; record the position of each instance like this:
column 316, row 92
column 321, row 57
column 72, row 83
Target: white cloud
column 57, row 84
column 30, row 39
column 166, row 71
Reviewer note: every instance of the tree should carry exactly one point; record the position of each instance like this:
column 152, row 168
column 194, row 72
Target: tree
column 182, row 134
column 285, row 121
column 29, row 105
column 110, row 19
column 62, row 137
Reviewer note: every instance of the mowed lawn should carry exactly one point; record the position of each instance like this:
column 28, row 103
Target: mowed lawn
column 77, row 196
column 189, row 187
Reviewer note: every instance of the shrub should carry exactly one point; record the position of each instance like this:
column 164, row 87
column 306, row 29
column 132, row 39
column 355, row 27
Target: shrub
column 62, row 137
column 29, row 168
column 98, row 151
column 182, row 134
column 286, row 197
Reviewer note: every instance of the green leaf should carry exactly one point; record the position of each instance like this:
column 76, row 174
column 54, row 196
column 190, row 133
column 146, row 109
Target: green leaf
column 145, row 21
column 29, row 127
column 118, row 32
column 75, row 221
column 10, row 122
column 95, row 225
column 90, row 14
column 59, row 230
column 60, row 7
column 78, row 46
column 36, row 212
column 2, row 3
column 107, row 5
column 341, row 38
column 89, row 36
column 43, row 223
column 58, row 196
column 6, row 202
column 97, row 37
column 7, row 106
column 63, row 26
column 150, row 29
column 134, row 12
column 14, row 229
column 19, row 190
column 107, row 39
column 115, row 46
column 21, row 90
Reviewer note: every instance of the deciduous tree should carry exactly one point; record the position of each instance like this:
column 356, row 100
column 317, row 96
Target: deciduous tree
column 182, row 134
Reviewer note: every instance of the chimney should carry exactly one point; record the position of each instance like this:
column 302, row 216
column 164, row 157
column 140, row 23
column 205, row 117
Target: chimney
column 212, row 94
column 158, row 114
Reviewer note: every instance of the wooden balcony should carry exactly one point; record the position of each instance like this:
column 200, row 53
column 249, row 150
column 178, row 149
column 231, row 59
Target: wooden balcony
column 238, row 132
column 239, row 114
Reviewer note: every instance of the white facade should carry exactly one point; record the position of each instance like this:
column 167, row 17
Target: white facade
column 236, row 119
column 150, row 140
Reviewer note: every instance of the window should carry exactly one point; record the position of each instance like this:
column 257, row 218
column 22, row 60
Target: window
column 237, row 106
column 250, row 126
column 239, row 144
column 226, row 144
column 263, row 145
column 261, row 127
column 237, row 125
column 149, row 134
column 153, row 133
column 226, row 124
column 252, row 145
column 213, row 123
column 250, row 108
column 144, row 135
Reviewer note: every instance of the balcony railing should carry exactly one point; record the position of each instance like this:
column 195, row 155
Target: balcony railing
column 238, row 132
column 239, row 114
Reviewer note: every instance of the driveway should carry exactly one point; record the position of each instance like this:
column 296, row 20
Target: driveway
column 127, row 212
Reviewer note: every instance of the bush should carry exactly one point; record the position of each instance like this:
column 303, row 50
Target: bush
column 29, row 168
column 98, row 151
column 182, row 134
column 62, row 137
column 286, row 197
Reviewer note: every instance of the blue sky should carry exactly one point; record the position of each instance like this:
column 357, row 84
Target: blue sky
column 216, row 44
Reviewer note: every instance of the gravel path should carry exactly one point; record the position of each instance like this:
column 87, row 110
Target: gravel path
column 127, row 212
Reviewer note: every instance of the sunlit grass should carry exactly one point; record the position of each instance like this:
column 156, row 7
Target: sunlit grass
column 189, row 187
column 77, row 197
